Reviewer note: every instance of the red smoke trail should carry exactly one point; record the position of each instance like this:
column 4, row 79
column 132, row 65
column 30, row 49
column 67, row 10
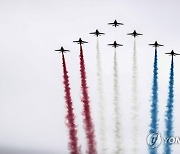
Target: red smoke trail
column 73, row 140
column 89, row 128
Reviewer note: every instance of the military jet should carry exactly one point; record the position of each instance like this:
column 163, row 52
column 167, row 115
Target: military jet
column 115, row 44
column 62, row 50
column 80, row 41
column 134, row 34
column 115, row 23
column 97, row 33
column 172, row 53
column 156, row 44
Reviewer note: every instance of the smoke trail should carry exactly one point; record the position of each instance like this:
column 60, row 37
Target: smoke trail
column 118, row 143
column 169, row 111
column 88, row 124
column 101, row 101
column 73, row 140
column 135, row 107
column 154, row 105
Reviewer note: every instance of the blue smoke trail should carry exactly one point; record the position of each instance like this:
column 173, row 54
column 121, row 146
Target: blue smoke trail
column 154, row 105
column 169, row 111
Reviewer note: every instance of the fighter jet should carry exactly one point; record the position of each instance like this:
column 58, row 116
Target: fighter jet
column 172, row 53
column 97, row 33
column 80, row 41
column 156, row 44
column 115, row 23
column 62, row 50
column 115, row 44
column 134, row 34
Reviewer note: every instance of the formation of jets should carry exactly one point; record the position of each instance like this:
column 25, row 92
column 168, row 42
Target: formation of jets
column 115, row 44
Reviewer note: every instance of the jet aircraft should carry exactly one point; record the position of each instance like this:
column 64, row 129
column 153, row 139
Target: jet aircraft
column 115, row 23
column 172, row 53
column 62, row 50
column 80, row 41
column 134, row 34
column 97, row 33
column 115, row 44
column 156, row 44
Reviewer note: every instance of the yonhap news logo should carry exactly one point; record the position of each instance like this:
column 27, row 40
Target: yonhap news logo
column 155, row 139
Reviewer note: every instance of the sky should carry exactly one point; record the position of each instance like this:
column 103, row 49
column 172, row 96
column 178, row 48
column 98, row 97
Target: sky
column 32, row 108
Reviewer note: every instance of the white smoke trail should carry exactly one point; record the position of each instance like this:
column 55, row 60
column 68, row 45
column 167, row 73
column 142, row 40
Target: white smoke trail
column 102, row 144
column 118, row 127
column 135, row 107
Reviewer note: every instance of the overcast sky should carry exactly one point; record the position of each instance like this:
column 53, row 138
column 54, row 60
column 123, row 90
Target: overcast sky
column 32, row 106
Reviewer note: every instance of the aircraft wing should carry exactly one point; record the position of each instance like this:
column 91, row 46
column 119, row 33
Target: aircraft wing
column 139, row 34
column 129, row 33
column 92, row 33
column 152, row 44
column 111, row 44
column 84, row 42
column 101, row 33
column 168, row 53
column 75, row 41
column 176, row 54
column 111, row 23
column 60, row 50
